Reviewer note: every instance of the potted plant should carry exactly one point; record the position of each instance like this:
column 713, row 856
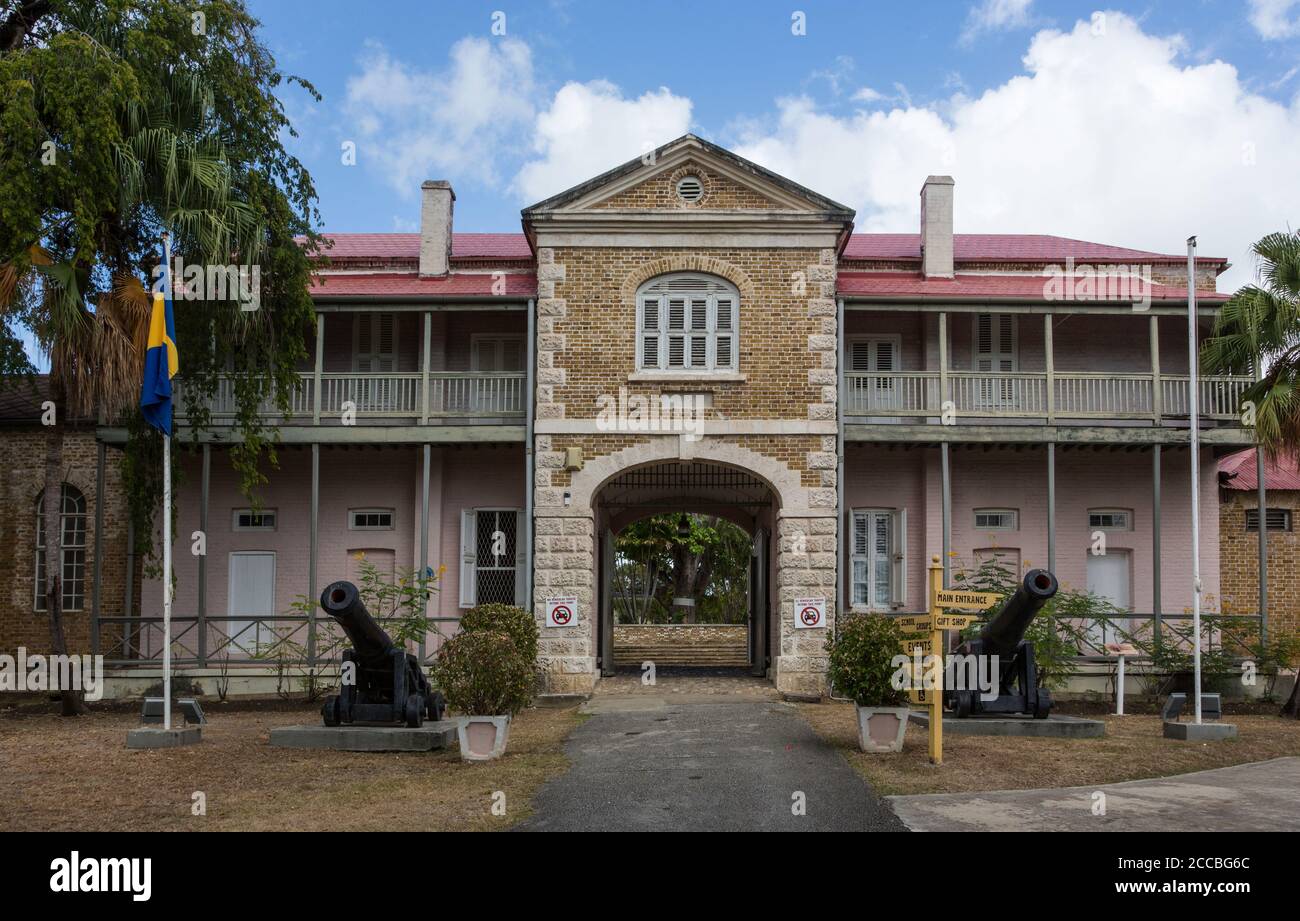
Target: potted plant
column 861, row 667
column 487, row 680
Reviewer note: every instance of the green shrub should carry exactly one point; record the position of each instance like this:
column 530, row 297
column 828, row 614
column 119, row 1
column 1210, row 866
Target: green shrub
column 861, row 660
column 483, row 673
column 516, row 623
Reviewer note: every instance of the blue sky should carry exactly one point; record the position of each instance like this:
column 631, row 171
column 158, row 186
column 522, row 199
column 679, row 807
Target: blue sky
column 1136, row 125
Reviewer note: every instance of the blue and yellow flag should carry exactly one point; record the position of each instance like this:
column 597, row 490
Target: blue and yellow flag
column 160, row 365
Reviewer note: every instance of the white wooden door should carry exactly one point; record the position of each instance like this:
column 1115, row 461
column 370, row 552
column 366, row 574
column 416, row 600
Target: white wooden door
column 251, row 595
column 1110, row 576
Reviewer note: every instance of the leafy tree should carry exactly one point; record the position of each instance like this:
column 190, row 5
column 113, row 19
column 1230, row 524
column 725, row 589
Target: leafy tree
column 121, row 119
column 1258, row 331
column 666, row 557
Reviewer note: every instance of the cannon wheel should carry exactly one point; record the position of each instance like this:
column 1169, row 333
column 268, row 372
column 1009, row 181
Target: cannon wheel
column 330, row 712
column 414, row 711
column 962, row 703
column 436, row 705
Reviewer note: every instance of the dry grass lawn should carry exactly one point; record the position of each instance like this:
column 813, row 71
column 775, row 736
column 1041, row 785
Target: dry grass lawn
column 77, row 774
column 1133, row 749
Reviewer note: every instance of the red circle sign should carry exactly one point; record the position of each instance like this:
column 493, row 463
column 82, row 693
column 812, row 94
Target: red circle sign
column 810, row 615
column 561, row 614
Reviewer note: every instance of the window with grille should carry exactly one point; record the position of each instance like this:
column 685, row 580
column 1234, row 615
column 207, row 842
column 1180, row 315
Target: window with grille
column 72, row 527
column 997, row 519
column 489, row 571
column 370, row 519
column 687, row 323
column 245, row 519
column 878, row 558
column 1276, row 519
column 1110, row 519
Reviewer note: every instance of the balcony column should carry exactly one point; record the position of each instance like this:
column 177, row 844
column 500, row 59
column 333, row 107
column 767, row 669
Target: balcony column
column 945, row 487
column 101, row 450
column 525, row 558
column 424, row 393
column 1051, row 506
column 1262, row 495
column 1157, row 397
column 1155, row 539
column 205, row 479
column 313, row 548
column 944, row 395
column 1049, row 359
column 424, row 500
column 320, row 367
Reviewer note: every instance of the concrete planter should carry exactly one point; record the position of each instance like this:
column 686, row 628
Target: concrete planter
column 881, row 729
column 482, row 738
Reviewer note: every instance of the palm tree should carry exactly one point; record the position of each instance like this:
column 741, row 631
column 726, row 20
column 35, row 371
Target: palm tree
column 1258, row 331
column 173, row 174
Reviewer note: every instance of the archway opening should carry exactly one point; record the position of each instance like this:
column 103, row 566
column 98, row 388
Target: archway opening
column 684, row 569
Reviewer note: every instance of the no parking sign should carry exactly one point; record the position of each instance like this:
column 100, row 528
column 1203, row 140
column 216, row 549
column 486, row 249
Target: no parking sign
column 561, row 612
column 809, row 613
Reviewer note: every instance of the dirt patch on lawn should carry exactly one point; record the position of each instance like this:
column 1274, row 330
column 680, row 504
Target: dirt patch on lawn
column 77, row 774
column 1133, row 749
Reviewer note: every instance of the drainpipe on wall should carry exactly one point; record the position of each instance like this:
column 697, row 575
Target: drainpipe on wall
column 840, row 530
column 530, row 364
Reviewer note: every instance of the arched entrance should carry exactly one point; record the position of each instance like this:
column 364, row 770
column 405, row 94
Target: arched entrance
column 573, row 514
column 696, row 493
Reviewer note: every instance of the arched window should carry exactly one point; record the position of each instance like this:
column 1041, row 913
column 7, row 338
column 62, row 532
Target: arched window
column 687, row 322
column 73, row 527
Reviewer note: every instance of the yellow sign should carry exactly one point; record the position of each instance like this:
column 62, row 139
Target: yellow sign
column 954, row 621
column 921, row 643
column 980, row 601
column 920, row 697
column 913, row 623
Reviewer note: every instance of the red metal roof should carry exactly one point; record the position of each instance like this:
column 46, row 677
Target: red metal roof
column 410, row 284
column 1237, row 471
column 1003, row 247
column 1001, row 287
column 407, row 246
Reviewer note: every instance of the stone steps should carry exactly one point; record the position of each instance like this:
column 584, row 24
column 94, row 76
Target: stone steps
column 714, row 655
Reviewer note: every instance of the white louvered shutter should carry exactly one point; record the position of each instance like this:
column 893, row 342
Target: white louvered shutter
column 468, row 557
column 898, row 580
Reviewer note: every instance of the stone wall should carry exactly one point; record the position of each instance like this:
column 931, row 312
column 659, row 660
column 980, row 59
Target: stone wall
column 22, row 475
column 1239, row 559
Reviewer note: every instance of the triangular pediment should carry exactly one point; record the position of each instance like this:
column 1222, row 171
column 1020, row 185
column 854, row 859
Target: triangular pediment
column 727, row 183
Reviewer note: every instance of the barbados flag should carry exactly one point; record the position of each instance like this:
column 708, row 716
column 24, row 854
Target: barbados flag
column 160, row 365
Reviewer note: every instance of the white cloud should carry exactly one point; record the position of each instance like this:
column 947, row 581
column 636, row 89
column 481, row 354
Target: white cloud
column 1105, row 137
column 420, row 125
column 1272, row 18
column 996, row 16
column 590, row 128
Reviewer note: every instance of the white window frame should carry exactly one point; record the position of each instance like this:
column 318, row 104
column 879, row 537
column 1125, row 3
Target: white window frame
column 354, row 512
column 476, row 339
column 65, row 550
column 1013, row 512
column 469, row 554
column 996, row 355
column 1115, row 510
column 874, row 392
column 236, row 526
column 649, row 300
column 896, row 552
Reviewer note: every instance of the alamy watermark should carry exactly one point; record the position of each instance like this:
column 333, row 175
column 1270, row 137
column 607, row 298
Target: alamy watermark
column 212, row 282
column 960, row 672
column 1085, row 282
column 670, row 413
column 52, row 673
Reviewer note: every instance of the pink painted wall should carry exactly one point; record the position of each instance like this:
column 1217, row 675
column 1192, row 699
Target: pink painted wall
column 1080, row 343
column 450, row 337
column 390, row 477
column 1004, row 478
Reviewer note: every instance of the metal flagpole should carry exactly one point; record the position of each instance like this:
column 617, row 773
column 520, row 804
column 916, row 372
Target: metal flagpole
column 1195, row 423
column 167, row 526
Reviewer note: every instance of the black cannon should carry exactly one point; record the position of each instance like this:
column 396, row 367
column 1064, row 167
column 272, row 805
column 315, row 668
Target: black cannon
column 1016, row 674
column 382, row 683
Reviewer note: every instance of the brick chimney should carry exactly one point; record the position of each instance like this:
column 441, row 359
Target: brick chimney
column 435, row 226
column 936, row 227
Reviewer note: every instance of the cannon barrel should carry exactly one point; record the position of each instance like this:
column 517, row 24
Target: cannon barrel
column 1007, row 627
column 342, row 601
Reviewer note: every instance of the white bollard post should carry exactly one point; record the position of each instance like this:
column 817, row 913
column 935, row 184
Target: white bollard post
column 1119, row 689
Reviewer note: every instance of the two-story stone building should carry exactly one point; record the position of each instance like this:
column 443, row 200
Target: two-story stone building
column 691, row 332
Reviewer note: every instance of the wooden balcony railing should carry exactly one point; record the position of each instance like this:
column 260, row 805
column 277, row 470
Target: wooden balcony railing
column 386, row 396
column 1023, row 395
